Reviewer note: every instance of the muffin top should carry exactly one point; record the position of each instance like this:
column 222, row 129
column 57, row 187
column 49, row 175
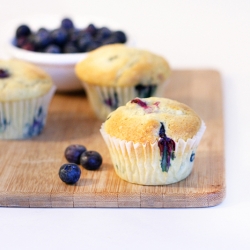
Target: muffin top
column 119, row 65
column 142, row 120
column 20, row 80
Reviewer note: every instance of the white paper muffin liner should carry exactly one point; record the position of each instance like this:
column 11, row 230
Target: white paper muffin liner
column 104, row 99
column 25, row 118
column 141, row 163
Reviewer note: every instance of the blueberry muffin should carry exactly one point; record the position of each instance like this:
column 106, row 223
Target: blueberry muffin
column 153, row 141
column 114, row 74
column 25, row 94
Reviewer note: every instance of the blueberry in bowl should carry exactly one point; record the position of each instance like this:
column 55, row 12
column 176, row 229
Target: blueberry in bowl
column 56, row 43
column 66, row 33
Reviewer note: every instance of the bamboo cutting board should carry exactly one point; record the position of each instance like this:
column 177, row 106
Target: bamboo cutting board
column 29, row 169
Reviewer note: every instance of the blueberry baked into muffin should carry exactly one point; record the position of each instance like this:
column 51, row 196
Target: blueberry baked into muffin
column 114, row 74
column 153, row 141
column 25, row 94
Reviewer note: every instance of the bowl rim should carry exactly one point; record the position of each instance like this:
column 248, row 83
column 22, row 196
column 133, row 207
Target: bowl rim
column 44, row 58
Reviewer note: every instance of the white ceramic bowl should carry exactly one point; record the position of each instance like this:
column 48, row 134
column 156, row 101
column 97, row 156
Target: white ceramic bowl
column 59, row 66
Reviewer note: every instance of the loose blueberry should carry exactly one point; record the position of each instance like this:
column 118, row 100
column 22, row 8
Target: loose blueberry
column 69, row 173
column 23, row 30
column 91, row 160
column 73, row 153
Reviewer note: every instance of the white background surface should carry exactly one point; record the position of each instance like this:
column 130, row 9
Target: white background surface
column 190, row 34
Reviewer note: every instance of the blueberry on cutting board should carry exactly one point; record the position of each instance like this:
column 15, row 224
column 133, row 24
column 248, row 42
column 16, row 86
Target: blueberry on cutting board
column 91, row 160
column 69, row 173
column 73, row 153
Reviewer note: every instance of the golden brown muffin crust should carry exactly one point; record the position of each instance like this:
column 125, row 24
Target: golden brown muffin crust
column 25, row 81
column 119, row 65
column 138, row 123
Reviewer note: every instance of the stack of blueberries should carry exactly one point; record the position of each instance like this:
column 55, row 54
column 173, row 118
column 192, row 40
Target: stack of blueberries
column 67, row 38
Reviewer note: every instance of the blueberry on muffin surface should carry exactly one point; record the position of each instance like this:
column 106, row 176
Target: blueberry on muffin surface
column 153, row 141
column 167, row 149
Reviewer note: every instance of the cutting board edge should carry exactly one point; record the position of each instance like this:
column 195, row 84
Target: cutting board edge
column 116, row 200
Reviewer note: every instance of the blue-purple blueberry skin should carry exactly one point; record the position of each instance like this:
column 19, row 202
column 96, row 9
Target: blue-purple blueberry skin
column 42, row 39
column 144, row 91
column 4, row 73
column 121, row 36
column 59, row 36
column 192, row 157
column 70, row 173
column 67, row 23
column 103, row 33
column 167, row 149
column 52, row 48
column 36, row 127
column 80, row 40
column 91, row 160
column 3, row 124
column 112, row 101
column 23, row 31
column 73, row 153
column 92, row 29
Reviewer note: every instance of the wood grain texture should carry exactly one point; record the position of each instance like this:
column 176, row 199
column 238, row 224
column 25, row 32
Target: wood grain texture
column 29, row 169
